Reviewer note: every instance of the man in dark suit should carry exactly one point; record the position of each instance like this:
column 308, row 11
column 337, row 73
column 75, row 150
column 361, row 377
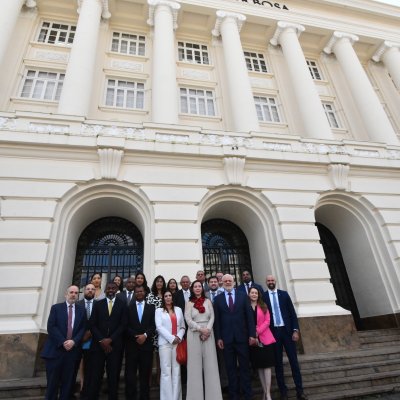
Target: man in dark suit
column 128, row 294
column 138, row 345
column 107, row 324
column 201, row 276
column 247, row 283
column 62, row 350
column 285, row 328
column 183, row 294
column 235, row 330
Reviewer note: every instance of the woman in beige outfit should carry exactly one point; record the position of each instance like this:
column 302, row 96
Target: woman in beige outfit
column 202, row 355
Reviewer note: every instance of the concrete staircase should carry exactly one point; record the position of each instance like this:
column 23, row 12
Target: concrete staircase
column 374, row 369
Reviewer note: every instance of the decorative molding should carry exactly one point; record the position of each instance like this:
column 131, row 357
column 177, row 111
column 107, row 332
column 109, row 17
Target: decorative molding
column 339, row 175
column 174, row 7
column 281, row 27
column 194, row 74
column 221, row 15
column 234, row 170
column 48, row 128
column 110, row 162
column 51, row 55
column 365, row 153
column 131, row 66
column 105, row 13
column 277, row 146
column 30, row 3
column 383, row 48
column 336, row 37
column 8, row 124
column 170, row 138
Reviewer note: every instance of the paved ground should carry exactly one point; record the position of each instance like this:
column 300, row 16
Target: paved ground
column 393, row 396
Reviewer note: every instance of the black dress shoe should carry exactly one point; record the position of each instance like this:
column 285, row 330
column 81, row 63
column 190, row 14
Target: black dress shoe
column 302, row 397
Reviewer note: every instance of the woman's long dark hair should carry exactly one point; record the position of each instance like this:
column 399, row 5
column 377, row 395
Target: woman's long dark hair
column 260, row 301
column 144, row 284
column 163, row 301
column 154, row 287
column 192, row 295
column 121, row 285
column 176, row 283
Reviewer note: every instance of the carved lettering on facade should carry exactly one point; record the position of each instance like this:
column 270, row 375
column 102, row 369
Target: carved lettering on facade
column 269, row 4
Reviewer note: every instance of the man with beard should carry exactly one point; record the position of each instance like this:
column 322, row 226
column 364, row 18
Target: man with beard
column 285, row 328
column 107, row 325
column 128, row 294
column 248, row 283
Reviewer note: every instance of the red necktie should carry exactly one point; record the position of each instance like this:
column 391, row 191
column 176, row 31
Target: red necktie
column 69, row 326
column 230, row 301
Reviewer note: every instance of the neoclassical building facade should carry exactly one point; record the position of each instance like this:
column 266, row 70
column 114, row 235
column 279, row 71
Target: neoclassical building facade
column 171, row 136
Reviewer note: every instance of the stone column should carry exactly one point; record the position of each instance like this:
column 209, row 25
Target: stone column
column 77, row 88
column 389, row 53
column 164, row 96
column 315, row 123
column 243, row 110
column 376, row 121
column 10, row 11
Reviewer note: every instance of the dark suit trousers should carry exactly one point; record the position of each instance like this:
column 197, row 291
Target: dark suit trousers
column 284, row 340
column 238, row 353
column 142, row 361
column 112, row 362
column 60, row 373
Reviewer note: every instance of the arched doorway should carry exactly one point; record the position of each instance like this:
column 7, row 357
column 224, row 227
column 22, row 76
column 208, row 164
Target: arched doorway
column 109, row 245
column 225, row 248
column 339, row 277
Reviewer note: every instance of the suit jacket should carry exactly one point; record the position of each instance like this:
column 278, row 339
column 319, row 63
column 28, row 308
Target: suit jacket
column 103, row 325
column 136, row 327
column 209, row 295
column 164, row 326
column 124, row 296
column 236, row 326
column 180, row 300
column 242, row 287
column 265, row 335
column 288, row 312
column 57, row 326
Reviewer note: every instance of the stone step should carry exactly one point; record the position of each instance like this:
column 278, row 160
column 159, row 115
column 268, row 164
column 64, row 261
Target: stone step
column 378, row 332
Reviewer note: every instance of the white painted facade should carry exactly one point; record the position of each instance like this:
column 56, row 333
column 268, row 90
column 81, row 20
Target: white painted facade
column 68, row 162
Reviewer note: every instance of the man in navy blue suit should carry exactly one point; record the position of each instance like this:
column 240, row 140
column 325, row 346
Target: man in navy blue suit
column 285, row 328
column 248, row 283
column 62, row 350
column 235, row 330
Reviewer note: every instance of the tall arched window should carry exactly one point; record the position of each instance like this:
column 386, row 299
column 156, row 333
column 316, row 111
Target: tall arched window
column 225, row 248
column 110, row 246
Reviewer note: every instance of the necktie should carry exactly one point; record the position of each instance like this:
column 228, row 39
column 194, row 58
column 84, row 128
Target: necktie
column 186, row 294
column 213, row 296
column 230, row 301
column 247, row 288
column 140, row 311
column 110, row 306
column 276, row 310
column 88, row 309
column 69, row 326
column 129, row 297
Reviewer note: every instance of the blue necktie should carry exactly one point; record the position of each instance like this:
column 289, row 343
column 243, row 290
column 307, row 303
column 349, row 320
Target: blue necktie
column 140, row 311
column 278, row 319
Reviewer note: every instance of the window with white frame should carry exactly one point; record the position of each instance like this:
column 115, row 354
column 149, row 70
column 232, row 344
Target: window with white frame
column 197, row 101
column 126, row 43
column 267, row 108
column 314, row 70
column 125, row 94
column 193, row 53
column 56, row 33
column 331, row 114
column 255, row 62
column 42, row 85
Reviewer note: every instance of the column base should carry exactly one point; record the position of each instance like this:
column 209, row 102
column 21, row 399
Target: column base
column 328, row 334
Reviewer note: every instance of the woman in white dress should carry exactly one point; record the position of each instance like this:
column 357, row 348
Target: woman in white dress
column 202, row 355
column 170, row 326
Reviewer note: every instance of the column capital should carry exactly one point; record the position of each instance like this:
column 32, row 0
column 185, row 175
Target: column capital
column 281, row 27
column 174, row 7
column 105, row 13
column 383, row 48
column 221, row 15
column 30, row 3
column 336, row 37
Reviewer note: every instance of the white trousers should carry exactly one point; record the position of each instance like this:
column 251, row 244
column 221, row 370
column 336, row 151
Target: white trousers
column 170, row 381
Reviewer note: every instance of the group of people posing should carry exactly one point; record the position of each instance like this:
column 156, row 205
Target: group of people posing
column 229, row 330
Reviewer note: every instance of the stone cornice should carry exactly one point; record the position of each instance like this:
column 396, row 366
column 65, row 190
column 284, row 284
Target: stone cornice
column 221, row 15
column 105, row 13
column 383, row 48
column 174, row 7
column 282, row 26
column 336, row 37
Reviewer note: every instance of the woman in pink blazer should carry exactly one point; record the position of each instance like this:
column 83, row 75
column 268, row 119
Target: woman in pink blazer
column 263, row 356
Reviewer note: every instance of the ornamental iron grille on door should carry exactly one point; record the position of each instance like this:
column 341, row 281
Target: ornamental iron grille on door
column 112, row 246
column 225, row 248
